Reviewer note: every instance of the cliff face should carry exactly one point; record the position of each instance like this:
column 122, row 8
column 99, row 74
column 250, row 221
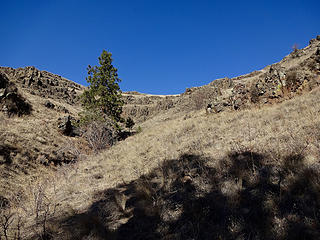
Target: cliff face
column 44, row 84
column 296, row 73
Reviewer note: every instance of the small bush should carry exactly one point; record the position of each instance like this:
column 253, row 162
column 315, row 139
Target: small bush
column 254, row 94
column 130, row 123
column 292, row 81
column 139, row 130
column 100, row 135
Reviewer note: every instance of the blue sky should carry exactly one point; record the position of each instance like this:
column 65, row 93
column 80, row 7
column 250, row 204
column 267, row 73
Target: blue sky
column 159, row 47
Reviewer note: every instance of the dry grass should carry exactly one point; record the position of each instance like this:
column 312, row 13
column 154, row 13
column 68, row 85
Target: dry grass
column 30, row 141
column 179, row 151
column 27, row 143
column 288, row 129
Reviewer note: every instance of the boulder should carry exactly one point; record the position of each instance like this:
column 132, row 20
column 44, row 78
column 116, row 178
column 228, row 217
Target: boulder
column 67, row 128
column 11, row 102
column 2, row 92
column 312, row 41
column 188, row 91
column 49, row 104
column 62, row 109
column 15, row 104
column 217, row 108
column 65, row 125
column 4, row 202
column 3, row 81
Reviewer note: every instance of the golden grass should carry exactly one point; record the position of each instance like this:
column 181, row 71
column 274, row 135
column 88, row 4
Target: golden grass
column 278, row 129
column 282, row 128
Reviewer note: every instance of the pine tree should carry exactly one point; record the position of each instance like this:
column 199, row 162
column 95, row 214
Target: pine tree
column 103, row 97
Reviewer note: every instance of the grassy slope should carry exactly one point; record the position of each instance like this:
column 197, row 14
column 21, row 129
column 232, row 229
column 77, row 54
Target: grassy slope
column 277, row 131
column 32, row 136
column 279, row 128
column 290, row 128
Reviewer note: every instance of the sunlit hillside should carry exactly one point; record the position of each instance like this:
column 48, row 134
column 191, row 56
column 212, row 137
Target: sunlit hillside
column 247, row 168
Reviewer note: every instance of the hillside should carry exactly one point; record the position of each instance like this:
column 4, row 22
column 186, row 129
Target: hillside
column 250, row 170
column 294, row 74
column 32, row 141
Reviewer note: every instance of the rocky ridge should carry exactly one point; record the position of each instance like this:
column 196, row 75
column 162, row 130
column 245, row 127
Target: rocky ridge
column 296, row 73
column 44, row 84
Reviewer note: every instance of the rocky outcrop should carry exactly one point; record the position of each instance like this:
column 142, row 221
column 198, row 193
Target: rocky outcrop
column 49, row 104
column 44, row 84
column 296, row 73
column 67, row 127
column 4, row 202
column 12, row 102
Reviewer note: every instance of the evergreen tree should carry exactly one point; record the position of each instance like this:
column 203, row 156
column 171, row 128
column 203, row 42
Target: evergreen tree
column 103, row 96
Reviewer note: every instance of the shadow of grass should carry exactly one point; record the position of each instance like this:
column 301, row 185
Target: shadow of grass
column 5, row 153
column 244, row 197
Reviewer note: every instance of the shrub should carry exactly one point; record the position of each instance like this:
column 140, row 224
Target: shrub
column 254, row 94
column 292, row 81
column 130, row 123
column 100, row 135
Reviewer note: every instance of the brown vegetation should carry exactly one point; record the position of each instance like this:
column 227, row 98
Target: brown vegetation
column 246, row 174
column 206, row 176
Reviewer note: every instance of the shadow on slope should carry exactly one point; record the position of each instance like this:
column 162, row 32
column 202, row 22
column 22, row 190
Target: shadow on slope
column 246, row 196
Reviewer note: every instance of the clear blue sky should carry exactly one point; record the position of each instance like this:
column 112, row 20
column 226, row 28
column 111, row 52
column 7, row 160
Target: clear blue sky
column 159, row 47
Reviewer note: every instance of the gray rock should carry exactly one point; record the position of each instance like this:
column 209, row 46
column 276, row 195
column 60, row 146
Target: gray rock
column 43, row 160
column 312, row 41
column 4, row 202
column 2, row 92
column 318, row 37
column 66, row 127
column 43, row 83
column 188, row 91
column 49, row 104
column 217, row 108
column 2, row 160
column 62, row 109
column 237, row 103
column 3, row 80
column 41, row 140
